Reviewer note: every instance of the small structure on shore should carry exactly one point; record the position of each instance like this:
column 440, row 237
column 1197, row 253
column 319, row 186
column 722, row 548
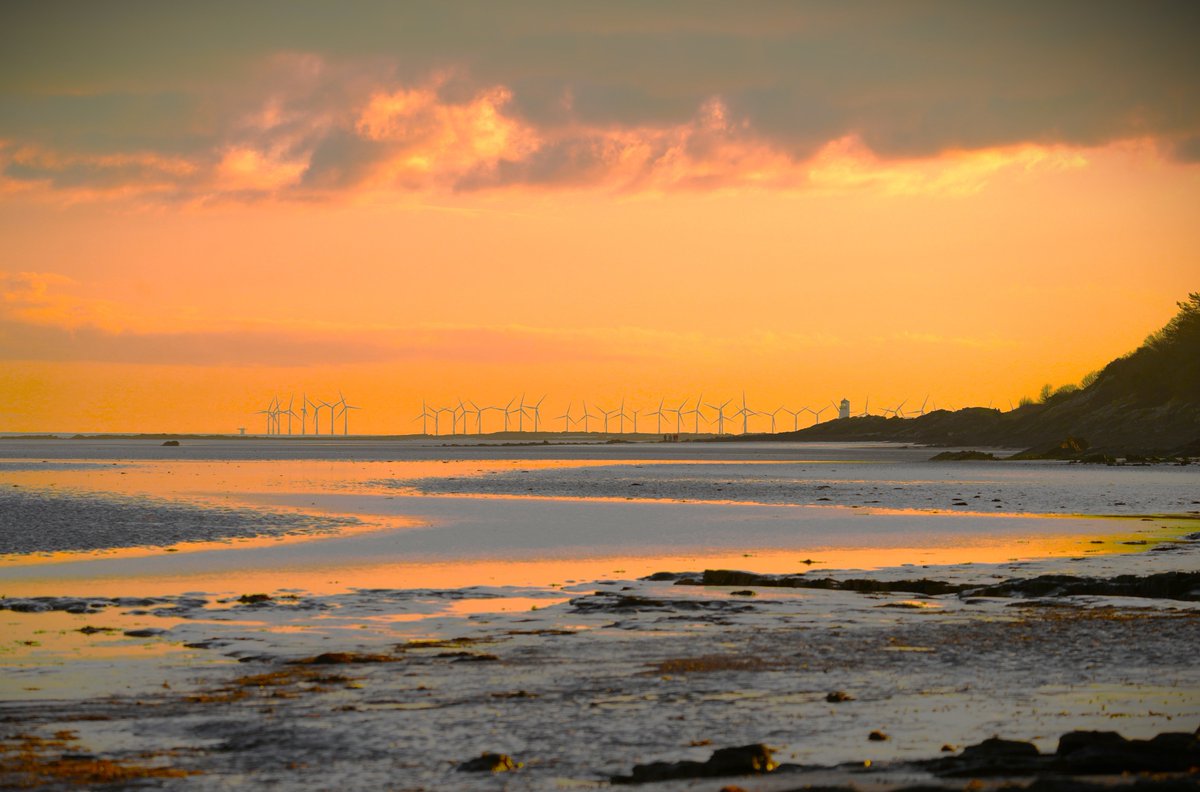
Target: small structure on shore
column 844, row 409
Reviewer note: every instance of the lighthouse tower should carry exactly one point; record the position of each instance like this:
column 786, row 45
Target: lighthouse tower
column 844, row 409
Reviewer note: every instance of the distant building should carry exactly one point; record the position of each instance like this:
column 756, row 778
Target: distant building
column 844, row 409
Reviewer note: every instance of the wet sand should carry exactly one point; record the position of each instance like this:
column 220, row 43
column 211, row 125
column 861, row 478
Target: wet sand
column 492, row 627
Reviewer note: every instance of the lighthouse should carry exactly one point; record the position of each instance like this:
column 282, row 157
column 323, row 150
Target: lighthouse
column 844, row 409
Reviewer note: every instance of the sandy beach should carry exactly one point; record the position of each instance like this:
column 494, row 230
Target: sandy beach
column 264, row 614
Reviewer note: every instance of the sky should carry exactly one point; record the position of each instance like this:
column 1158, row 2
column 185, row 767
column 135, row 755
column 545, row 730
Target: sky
column 204, row 206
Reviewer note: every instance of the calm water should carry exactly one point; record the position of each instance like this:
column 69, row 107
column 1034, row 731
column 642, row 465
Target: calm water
column 455, row 515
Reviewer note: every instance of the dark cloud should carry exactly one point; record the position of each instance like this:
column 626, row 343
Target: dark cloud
column 342, row 159
column 911, row 79
column 1188, row 150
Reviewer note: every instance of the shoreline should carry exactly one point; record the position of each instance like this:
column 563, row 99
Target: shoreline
column 194, row 658
column 512, row 620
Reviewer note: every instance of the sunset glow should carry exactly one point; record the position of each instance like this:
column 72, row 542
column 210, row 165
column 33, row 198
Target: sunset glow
column 803, row 202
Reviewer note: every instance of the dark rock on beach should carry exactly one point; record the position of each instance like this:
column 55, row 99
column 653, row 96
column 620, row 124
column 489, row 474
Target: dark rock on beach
column 1097, row 753
column 1086, row 753
column 743, row 760
column 964, row 456
column 489, row 763
column 605, row 602
column 1164, row 585
column 728, row 577
column 345, row 658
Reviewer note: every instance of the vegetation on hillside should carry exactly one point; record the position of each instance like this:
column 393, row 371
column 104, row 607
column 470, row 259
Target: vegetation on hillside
column 1167, row 365
column 1148, row 400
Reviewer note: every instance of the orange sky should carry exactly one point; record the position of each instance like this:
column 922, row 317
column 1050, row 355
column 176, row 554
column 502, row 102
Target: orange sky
column 179, row 244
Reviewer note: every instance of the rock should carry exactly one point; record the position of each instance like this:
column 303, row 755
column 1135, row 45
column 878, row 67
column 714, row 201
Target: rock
column 253, row 599
column 490, row 763
column 996, row 748
column 345, row 658
column 963, row 456
column 606, row 602
column 877, row 736
column 147, row 632
column 1074, row 741
column 171, row 443
column 729, row 577
column 1098, row 752
column 1164, row 585
column 743, row 760
column 838, row 696
column 742, row 593
column 992, row 757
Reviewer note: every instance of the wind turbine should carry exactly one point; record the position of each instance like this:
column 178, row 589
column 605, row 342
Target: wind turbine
column 679, row 412
column 521, row 414
column 303, row 414
column 270, row 413
column 795, row 417
column 346, row 408
column 566, row 418
column 659, row 413
column 333, row 413
column 537, row 412
column 698, row 415
column 507, row 411
column 866, row 408
column 745, row 412
column 621, row 416
column 461, row 414
column 424, row 418
column 635, row 417
column 773, row 413
column 585, row 417
column 266, row 412
column 720, row 408
column 922, row 410
column 606, row 414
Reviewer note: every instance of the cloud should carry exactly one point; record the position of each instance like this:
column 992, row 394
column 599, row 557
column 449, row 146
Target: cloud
column 47, row 299
column 318, row 102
